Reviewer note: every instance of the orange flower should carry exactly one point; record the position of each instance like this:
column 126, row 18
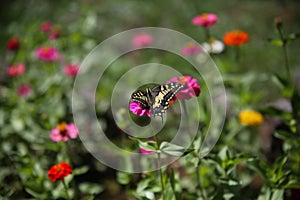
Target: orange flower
column 235, row 38
column 59, row 171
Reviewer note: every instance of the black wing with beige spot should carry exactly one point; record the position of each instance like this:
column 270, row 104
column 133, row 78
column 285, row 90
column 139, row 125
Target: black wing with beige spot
column 142, row 98
column 162, row 95
column 157, row 99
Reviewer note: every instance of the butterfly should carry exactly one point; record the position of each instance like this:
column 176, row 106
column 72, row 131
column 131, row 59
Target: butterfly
column 157, row 99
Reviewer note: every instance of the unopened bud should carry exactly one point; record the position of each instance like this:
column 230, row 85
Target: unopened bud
column 278, row 22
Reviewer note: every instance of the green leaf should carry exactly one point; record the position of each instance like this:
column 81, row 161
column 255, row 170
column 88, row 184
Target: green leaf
column 17, row 124
column 260, row 167
column 293, row 36
column 123, row 177
column 149, row 145
column 90, row 188
column 81, row 170
column 277, row 195
column 276, row 42
column 279, row 81
column 171, row 149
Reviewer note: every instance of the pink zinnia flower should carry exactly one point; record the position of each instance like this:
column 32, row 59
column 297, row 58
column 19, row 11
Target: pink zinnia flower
column 205, row 20
column 46, row 26
column 71, row 69
column 63, row 132
column 136, row 108
column 24, row 90
column 192, row 88
column 190, row 49
column 13, row 44
column 47, row 53
column 16, row 70
column 142, row 40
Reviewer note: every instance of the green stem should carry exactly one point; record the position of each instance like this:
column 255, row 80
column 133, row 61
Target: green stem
column 66, row 190
column 285, row 54
column 237, row 53
column 160, row 170
column 199, row 188
column 287, row 64
column 207, row 34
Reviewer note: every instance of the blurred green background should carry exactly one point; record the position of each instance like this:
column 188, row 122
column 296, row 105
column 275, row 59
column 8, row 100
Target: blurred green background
column 86, row 23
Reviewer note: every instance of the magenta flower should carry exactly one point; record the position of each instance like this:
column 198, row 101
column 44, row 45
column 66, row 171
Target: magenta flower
column 142, row 40
column 146, row 152
column 47, row 53
column 16, row 70
column 24, row 90
column 136, row 108
column 46, row 26
column 63, row 132
column 205, row 20
column 190, row 49
column 192, row 88
column 71, row 69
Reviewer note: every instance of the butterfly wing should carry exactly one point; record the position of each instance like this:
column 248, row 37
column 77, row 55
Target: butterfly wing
column 162, row 95
column 142, row 98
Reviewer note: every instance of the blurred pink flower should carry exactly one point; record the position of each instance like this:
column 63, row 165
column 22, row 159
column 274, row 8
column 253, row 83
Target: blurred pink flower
column 71, row 69
column 24, row 90
column 47, row 53
column 55, row 32
column 16, row 70
column 63, row 132
column 46, row 26
column 142, row 40
column 192, row 88
column 191, row 49
column 205, row 20
column 136, row 108
column 13, row 44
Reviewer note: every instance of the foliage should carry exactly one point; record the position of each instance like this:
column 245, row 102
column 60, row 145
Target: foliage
column 248, row 162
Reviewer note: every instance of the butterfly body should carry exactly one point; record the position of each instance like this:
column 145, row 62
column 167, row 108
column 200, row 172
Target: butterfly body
column 157, row 99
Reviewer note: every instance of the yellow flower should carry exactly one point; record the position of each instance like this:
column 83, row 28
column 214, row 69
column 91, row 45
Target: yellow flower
column 250, row 118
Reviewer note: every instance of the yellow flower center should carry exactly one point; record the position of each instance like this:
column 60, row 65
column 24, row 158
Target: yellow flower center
column 62, row 128
column 182, row 80
column 191, row 45
column 204, row 16
column 46, row 50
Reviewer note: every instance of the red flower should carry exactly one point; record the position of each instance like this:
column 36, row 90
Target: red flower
column 71, row 69
column 16, row 70
column 13, row 44
column 192, row 88
column 236, row 38
column 24, row 90
column 59, row 171
column 46, row 26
